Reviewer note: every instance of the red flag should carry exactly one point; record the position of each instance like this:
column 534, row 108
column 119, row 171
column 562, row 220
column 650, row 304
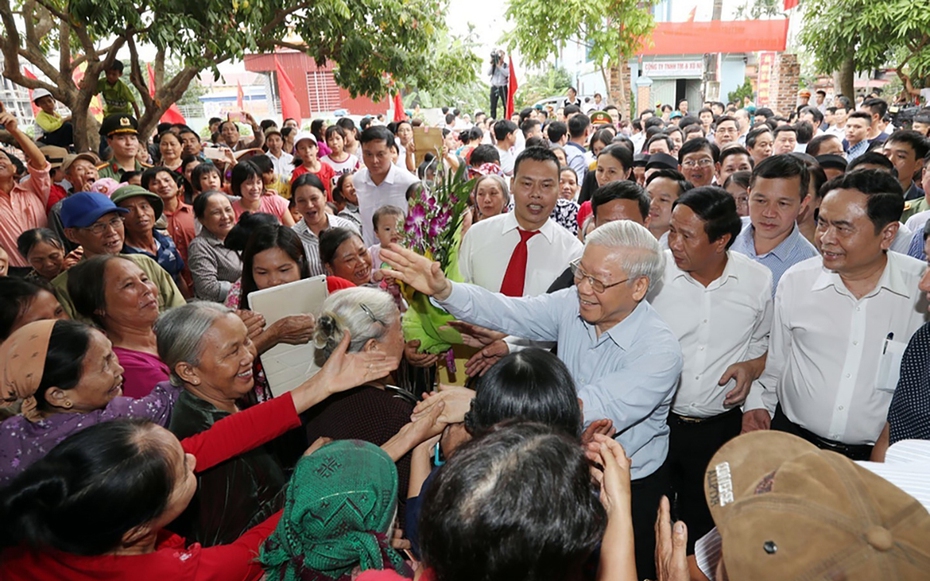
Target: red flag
column 511, row 87
column 239, row 96
column 29, row 75
column 692, row 14
column 789, row 4
column 173, row 114
column 290, row 108
column 399, row 114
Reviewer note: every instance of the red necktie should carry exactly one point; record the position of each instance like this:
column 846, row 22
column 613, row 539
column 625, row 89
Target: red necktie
column 515, row 275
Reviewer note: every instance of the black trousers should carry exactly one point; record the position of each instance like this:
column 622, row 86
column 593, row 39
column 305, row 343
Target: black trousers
column 61, row 137
column 692, row 445
column 781, row 423
column 645, row 495
column 498, row 92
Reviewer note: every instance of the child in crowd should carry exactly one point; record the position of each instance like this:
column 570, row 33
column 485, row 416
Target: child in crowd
column 339, row 159
column 270, row 179
column 389, row 228
column 346, row 201
column 306, row 161
column 388, row 223
column 117, row 98
column 57, row 130
column 292, row 208
column 106, row 186
column 132, row 178
column 204, row 178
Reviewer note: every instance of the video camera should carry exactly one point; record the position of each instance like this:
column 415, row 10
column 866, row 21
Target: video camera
column 902, row 116
column 497, row 56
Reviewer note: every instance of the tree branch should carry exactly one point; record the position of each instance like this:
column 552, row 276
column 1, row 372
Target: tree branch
column 136, row 75
column 54, row 10
column 64, row 47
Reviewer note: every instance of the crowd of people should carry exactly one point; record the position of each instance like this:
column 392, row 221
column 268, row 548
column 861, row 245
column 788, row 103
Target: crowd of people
column 696, row 348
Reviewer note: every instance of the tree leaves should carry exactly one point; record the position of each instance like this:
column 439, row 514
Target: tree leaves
column 873, row 33
column 611, row 29
column 375, row 44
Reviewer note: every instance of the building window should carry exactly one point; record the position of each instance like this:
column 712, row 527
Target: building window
column 322, row 91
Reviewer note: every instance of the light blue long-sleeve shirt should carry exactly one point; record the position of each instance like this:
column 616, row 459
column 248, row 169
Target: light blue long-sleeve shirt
column 628, row 374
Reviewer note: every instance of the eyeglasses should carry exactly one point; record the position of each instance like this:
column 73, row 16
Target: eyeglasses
column 705, row 162
column 596, row 285
column 99, row 228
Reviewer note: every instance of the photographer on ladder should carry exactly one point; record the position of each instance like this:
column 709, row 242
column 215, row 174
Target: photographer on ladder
column 500, row 78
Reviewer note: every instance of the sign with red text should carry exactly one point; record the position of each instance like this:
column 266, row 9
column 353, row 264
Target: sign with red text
column 765, row 84
column 674, row 69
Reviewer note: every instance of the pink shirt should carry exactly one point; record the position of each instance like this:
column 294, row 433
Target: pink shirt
column 269, row 204
column 24, row 209
column 141, row 371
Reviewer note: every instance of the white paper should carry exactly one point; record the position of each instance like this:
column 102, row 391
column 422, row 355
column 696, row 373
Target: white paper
column 287, row 366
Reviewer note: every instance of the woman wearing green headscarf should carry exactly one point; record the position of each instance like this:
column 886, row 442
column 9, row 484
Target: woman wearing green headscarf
column 337, row 518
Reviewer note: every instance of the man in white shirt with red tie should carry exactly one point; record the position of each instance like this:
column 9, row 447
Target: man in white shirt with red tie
column 521, row 253
column 841, row 323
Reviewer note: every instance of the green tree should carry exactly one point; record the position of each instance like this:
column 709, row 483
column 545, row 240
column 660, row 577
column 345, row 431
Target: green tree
column 374, row 43
column 550, row 82
column 744, row 90
column 861, row 35
column 451, row 54
column 611, row 29
column 760, row 8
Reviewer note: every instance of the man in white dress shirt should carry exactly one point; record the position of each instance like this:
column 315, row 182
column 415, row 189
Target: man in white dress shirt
column 380, row 182
column 841, row 323
column 489, row 246
column 719, row 305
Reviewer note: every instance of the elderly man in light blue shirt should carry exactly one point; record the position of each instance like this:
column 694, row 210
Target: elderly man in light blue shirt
column 623, row 357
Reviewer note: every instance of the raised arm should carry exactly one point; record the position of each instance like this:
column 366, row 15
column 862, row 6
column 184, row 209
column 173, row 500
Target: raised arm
column 33, row 155
column 535, row 318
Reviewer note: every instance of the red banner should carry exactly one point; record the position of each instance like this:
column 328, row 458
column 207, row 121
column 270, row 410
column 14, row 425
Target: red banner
column 290, row 108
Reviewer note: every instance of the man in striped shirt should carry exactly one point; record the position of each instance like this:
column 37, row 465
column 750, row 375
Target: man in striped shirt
column 777, row 195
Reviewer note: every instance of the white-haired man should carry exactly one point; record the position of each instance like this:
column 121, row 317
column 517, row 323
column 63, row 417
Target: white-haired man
column 623, row 357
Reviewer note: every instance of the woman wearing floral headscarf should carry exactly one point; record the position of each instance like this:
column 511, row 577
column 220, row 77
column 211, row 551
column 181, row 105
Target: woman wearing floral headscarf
column 337, row 517
column 67, row 377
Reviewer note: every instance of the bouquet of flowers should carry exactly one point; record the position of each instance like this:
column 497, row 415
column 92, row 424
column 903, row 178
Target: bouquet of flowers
column 433, row 229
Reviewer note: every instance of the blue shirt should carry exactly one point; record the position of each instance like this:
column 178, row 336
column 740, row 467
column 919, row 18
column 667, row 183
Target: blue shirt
column 792, row 250
column 916, row 249
column 166, row 255
column 628, row 374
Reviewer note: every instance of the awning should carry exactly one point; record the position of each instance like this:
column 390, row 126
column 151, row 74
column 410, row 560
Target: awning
column 674, row 38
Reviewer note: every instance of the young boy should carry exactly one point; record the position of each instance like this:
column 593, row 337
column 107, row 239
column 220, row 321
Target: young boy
column 117, row 98
column 388, row 223
column 56, row 130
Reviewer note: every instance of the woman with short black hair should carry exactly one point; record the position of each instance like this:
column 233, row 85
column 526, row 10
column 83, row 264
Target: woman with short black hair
column 23, row 302
column 45, row 252
column 117, row 295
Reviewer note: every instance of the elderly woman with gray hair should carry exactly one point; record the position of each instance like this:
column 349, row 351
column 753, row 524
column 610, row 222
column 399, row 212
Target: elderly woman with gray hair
column 375, row 411
column 623, row 357
column 209, row 354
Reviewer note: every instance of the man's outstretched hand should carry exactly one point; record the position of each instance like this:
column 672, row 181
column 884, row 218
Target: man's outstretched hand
column 418, row 271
